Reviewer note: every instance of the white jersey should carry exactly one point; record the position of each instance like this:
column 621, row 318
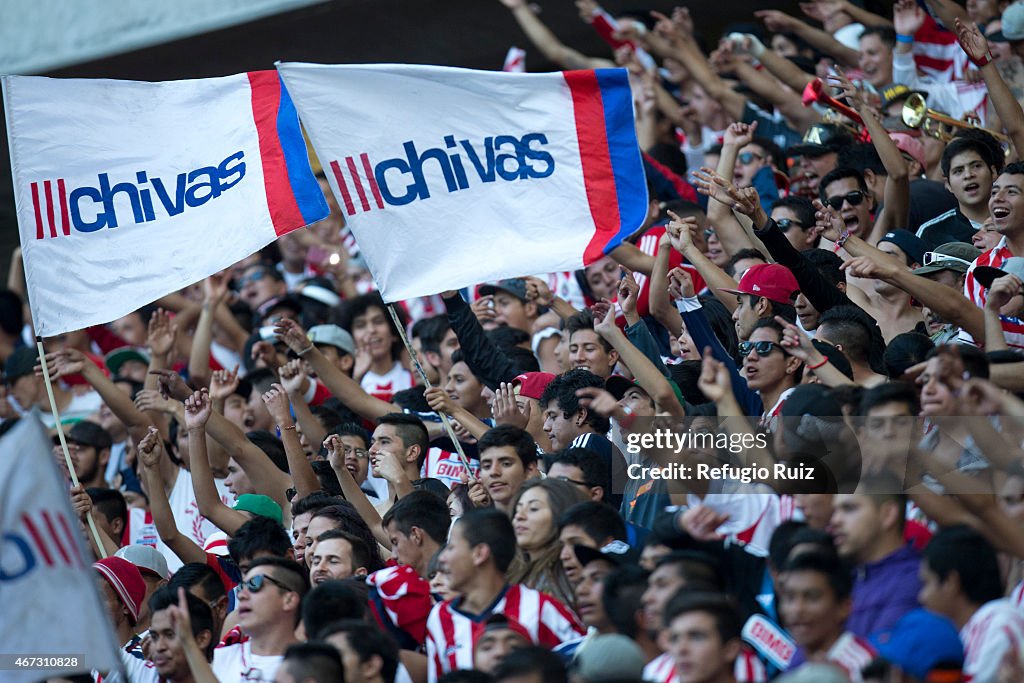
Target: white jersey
column 746, row 669
column 996, row 627
column 387, row 385
column 754, row 511
column 237, row 663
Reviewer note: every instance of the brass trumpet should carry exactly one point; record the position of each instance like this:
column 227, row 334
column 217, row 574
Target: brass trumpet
column 916, row 114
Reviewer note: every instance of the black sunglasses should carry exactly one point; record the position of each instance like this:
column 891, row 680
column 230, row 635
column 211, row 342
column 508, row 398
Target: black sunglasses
column 763, row 348
column 585, row 484
column 854, row 198
column 786, row 223
column 256, row 583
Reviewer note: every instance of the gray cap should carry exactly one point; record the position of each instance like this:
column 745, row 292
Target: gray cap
column 610, row 657
column 986, row 275
column 146, row 558
column 332, row 335
column 961, row 256
column 815, row 672
column 1012, row 25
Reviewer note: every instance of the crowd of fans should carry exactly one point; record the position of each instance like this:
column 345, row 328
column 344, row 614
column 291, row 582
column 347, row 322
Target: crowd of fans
column 819, row 288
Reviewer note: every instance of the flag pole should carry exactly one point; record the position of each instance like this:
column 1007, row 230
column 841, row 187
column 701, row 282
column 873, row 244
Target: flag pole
column 100, row 548
column 423, row 376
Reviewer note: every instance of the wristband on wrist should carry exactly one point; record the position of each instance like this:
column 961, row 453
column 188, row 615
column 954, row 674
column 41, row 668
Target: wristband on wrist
column 904, row 38
column 817, row 365
column 845, row 235
column 985, row 60
column 304, row 351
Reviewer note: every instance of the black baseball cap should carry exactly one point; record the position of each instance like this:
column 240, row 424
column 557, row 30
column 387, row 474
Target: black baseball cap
column 820, row 139
column 87, row 433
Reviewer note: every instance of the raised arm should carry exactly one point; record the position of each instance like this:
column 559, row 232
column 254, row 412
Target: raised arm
column 547, row 42
column 215, row 290
column 1003, row 101
column 657, row 290
column 197, row 414
column 298, row 386
column 350, row 489
column 151, row 452
column 303, row 476
column 780, row 22
column 680, row 234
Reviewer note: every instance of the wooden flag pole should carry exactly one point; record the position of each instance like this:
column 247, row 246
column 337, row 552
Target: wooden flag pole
column 423, row 375
column 101, row 549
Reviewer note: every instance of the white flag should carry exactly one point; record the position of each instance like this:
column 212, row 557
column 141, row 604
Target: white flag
column 451, row 177
column 48, row 594
column 127, row 191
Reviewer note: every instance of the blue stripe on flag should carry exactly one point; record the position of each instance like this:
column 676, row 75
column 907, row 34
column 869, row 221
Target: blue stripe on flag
column 304, row 185
column 624, row 151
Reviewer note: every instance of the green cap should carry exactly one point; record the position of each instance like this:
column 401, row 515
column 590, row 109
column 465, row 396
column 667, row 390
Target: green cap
column 259, row 505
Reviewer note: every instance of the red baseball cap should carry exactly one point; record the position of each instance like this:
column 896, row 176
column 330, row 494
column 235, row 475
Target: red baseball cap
column 770, row 280
column 533, row 384
column 126, row 580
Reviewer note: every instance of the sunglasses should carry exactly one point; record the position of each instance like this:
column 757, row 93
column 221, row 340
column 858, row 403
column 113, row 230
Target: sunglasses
column 576, row 481
column 854, row 198
column 786, row 223
column 933, row 257
column 254, row 276
column 256, row 583
column 763, row 348
column 748, row 158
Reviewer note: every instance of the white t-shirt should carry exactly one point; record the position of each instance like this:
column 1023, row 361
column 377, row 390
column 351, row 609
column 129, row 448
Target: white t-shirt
column 238, row 663
column 81, row 407
column 387, row 385
column 995, row 628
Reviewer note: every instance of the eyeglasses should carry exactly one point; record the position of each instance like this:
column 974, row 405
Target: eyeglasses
column 254, row 276
column 786, row 223
column 256, row 583
column 934, row 257
column 854, row 198
column 748, row 158
column 763, row 348
column 360, row 453
column 575, row 481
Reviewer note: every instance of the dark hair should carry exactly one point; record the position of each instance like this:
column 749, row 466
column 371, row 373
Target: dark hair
column 317, row 500
column 686, row 375
column 411, row 431
column 259, row 535
column 360, row 553
column 862, row 157
column 327, row 477
column 493, row 528
column 885, row 33
column 621, row 595
column 431, row 332
column 974, row 359
column 905, row 351
column 697, row 569
column 348, row 520
column 890, row 392
column 742, row 254
column 12, row 316
column 507, row 337
column 411, row 399
column 721, row 323
column 466, row 676
column 828, row 264
column 261, row 379
column 592, row 465
column 782, row 542
column 522, row 359
column 330, row 601
column 584, row 320
column 366, row 640
column 1016, row 168
column 775, row 154
column 851, row 327
column 534, row 659
column 838, row 573
column 199, row 613
column 670, row 156
column 963, row 550
column 980, row 142
column 203, row 576
column 801, row 206
column 724, row 611
column 562, row 390
column 317, row 662
column 353, row 308
column 840, row 173
column 110, row 503
column 421, row 509
column 824, row 542
column 513, row 437
column 597, row 520
column 271, row 446
column 297, row 581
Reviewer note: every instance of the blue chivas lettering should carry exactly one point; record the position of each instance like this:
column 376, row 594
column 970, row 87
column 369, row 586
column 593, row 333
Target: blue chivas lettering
column 455, row 166
column 112, row 203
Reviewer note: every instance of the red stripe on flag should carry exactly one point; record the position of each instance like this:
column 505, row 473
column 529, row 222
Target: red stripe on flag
column 598, row 177
column 34, row 533
column 55, row 537
column 359, row 183
column 343, row 186
column 62, row 191
column 48, row 189
column 373, row 180
column 39, row 213
column 266, row 100
column 69, row 537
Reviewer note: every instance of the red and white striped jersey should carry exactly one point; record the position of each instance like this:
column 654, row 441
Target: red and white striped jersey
column 937, row 53
column 994, row 257
column 754, row 513
column 387, row 385
column 450, row 632
column 996, row 627
column 1016, row 596
column 747, row 669
column 851, row 653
